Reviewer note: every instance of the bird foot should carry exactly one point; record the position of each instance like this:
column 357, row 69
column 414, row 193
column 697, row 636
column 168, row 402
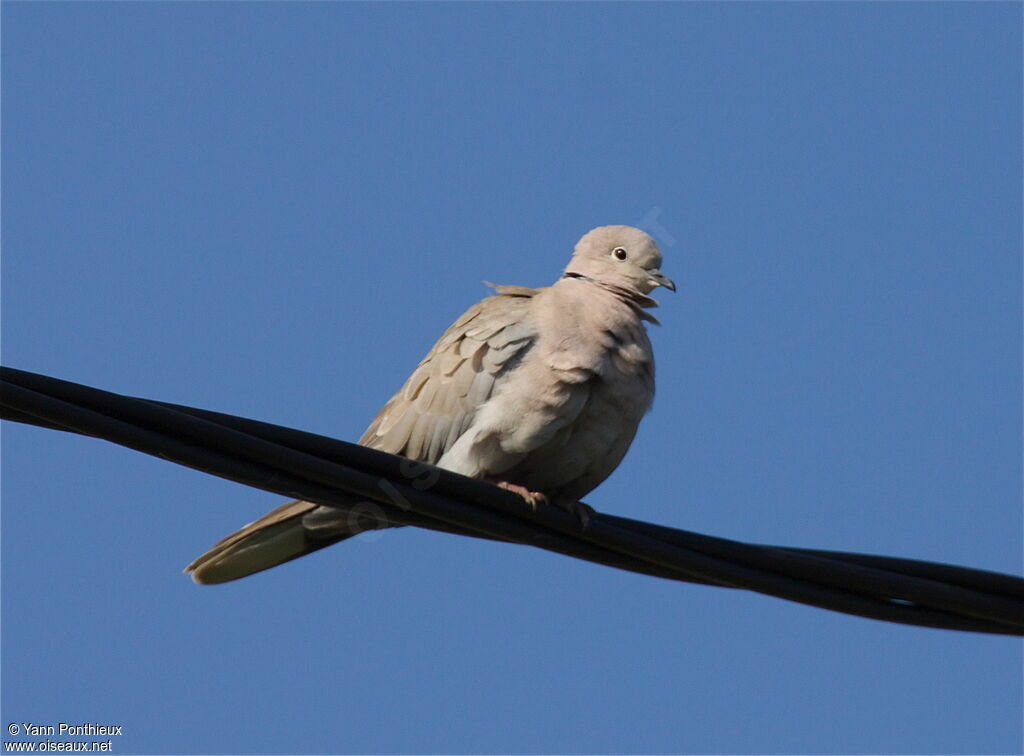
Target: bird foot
column 578, row 508
column 533, row 498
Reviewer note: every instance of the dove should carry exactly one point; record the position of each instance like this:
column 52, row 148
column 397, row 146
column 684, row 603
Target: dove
column 539, row 391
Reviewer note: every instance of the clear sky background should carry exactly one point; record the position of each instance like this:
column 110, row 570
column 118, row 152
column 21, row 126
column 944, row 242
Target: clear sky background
column 273, row 210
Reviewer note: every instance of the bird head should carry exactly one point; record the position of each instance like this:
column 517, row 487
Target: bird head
column 620, row 256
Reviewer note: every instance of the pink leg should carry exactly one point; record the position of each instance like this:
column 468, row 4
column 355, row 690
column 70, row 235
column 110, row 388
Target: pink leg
column 533, row 498
column 581, row 510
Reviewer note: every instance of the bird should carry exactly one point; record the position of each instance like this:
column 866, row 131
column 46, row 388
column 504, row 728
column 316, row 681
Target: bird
column 538, row 391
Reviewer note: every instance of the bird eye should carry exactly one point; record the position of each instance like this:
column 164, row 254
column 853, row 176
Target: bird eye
column 620, row 253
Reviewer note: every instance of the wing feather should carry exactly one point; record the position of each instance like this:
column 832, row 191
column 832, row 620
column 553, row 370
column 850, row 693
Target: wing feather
column 440, row 399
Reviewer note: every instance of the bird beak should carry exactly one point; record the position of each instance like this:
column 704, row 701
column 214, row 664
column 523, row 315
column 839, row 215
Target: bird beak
column 660, row 279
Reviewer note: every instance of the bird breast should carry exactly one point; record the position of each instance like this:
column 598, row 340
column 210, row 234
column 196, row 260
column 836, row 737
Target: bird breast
column 597, row 365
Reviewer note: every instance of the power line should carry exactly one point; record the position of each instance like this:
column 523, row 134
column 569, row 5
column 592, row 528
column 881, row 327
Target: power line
column 397, row 492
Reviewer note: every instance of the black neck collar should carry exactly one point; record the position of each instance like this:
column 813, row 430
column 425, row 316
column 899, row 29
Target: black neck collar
column 571, row 274
column 639, row 302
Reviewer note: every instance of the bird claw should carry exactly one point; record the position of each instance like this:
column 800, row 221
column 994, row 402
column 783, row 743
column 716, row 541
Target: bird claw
column 581, row 510
column 533, row 498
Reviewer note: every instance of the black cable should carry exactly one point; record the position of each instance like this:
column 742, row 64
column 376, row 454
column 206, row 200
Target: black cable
column 335, row 473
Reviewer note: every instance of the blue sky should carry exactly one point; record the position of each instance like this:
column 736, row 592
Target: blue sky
column 273, row 210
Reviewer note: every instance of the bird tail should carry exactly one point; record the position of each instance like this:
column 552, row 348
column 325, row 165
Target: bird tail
column 288, row 532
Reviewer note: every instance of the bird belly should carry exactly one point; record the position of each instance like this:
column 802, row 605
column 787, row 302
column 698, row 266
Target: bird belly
column 563, row 440
column 581, row 455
